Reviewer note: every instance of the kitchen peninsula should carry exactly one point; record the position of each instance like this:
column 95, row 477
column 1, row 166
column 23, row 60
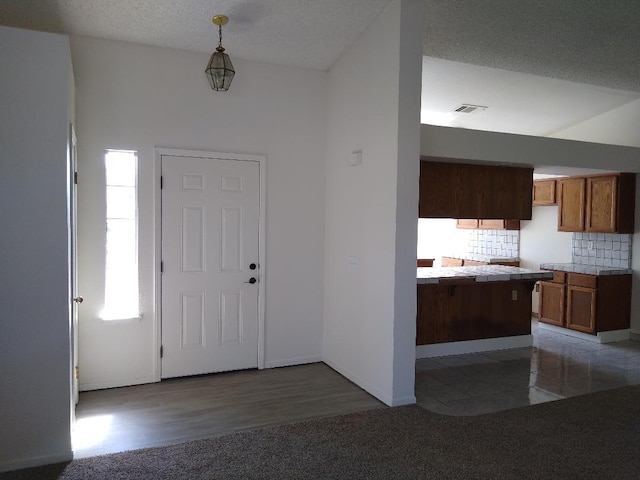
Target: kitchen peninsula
column 476, row 308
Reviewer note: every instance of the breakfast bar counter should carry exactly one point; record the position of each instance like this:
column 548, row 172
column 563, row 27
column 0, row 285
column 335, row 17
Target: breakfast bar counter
column 457, row 304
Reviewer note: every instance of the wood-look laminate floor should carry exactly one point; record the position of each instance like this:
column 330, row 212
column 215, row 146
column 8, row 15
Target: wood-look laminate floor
column 189, row 408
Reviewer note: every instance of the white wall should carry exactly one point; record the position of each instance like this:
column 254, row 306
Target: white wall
column 371, row 209
column 137, row 97
column 616, row 127
column 522, row 149
column 438, row 237
column 541, row 242
column 35, row 355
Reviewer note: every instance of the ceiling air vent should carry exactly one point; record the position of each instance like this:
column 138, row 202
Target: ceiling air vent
column 467, row 108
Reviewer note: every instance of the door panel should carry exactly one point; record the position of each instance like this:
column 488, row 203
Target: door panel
column 601, row 204
column 210, row 222
column 551, row 309
column 571, row 204
column 581, row 309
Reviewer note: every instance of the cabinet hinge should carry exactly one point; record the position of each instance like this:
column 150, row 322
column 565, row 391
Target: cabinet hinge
column 161, row 182
column 161, row 351
column 75, row 178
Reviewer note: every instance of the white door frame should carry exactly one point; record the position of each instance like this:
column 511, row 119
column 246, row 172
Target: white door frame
column 262, row 162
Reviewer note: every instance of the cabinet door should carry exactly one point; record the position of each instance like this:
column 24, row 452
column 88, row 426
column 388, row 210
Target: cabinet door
column 571, row 204
column 466, row 223
column 491, row 224
column 601, row 204
column 544, row 192
column 551, row 307
column 581, row 309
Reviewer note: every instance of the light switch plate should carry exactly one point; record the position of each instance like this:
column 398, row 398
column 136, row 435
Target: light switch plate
column 355, row 158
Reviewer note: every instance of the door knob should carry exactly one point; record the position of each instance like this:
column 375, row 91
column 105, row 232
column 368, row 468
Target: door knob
column 78, row 299
column 253, row 266
column 252, row 280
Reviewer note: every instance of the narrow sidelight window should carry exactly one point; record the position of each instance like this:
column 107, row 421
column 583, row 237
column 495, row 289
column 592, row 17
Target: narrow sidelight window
column 121, row 296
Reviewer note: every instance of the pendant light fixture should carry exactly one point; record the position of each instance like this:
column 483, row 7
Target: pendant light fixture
column 220, row 70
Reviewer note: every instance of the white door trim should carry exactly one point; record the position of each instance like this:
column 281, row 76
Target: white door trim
column 159, row 152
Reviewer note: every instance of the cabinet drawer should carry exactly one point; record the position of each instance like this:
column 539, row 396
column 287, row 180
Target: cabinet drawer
column 558, row 277
column 582, row 280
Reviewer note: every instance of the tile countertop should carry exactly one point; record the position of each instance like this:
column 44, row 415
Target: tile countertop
column 484, row 273
column 588, row 269
column 483, row 258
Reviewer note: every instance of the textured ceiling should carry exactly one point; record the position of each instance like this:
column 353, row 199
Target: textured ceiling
column 305, row 33
column 539, row 65
column 587, row 41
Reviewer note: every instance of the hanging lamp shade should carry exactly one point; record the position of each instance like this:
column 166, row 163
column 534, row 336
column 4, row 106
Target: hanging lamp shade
column 220, row 70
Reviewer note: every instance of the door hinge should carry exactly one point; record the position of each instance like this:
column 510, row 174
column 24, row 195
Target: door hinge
column 161, row 182
column 161, row 351
column 75, row 178
column 76, row 372
column 161, row 267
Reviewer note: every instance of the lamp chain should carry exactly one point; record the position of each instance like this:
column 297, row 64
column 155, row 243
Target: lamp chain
column 219, row 36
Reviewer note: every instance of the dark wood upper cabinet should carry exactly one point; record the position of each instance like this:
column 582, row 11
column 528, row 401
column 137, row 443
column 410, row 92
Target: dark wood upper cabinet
column 457, row 190
column 597, row 203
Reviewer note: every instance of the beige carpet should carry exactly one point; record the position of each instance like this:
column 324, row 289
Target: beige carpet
column 596, row 436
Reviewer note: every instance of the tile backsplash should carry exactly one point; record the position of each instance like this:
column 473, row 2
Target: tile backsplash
column 602, row 249
column 496, row 243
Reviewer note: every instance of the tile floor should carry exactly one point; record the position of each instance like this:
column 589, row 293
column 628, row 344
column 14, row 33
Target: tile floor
column 556, row 367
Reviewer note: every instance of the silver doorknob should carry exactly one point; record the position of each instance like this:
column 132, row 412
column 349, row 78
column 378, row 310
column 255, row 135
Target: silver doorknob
column 78, row 299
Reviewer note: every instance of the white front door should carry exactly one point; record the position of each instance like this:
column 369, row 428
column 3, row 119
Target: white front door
column 210, row 226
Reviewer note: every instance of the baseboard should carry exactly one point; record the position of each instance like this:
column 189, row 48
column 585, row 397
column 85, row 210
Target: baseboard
column 473, row 346
column 601, row 337
column 634, row 336
column 120, row 382
column 35, row 461
column 289, row 362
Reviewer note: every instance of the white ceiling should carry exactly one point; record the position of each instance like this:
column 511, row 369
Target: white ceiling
column 517, row 102
column 538, row 65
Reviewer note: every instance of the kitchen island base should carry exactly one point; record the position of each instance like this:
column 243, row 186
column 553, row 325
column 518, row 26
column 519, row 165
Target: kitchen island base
column 459, row 310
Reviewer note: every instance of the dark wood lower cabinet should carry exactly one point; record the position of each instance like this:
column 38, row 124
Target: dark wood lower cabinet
column 460, row 311
column 586, row 303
